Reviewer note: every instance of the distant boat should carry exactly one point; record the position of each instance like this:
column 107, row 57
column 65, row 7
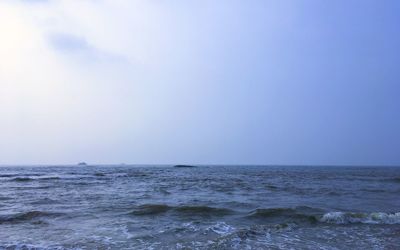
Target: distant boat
column 184, row 166
column 82, row 164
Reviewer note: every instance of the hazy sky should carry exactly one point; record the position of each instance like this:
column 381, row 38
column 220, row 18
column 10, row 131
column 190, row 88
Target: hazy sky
column 179, row 81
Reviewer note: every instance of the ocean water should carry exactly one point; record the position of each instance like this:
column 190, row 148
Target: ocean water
column 207, row 207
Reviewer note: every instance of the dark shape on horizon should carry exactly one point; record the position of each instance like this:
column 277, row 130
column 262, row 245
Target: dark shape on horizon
column 82, row 164
column 184, row 166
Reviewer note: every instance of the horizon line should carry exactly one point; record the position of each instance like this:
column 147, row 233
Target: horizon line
column 200, row 165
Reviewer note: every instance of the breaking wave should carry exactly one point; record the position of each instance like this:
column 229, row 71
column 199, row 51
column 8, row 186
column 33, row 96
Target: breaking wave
column 366, row 218
column 297, row 214
column 314, row 215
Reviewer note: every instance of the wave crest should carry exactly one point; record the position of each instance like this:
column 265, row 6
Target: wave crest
column 26, row 216
column 302, row 213
column 27, row 179
column 154, row 209
column 151, row 209
column 365, row 218
column 203, row 210
column 21, row 179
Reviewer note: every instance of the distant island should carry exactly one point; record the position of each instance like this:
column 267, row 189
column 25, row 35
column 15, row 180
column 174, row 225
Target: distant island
column 184, row 166
column 82, row 164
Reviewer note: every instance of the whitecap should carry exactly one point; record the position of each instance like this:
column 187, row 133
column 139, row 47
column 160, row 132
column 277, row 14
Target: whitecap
column 367, row 218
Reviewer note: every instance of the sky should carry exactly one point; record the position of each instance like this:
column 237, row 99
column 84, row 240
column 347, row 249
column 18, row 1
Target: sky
column 200, row 82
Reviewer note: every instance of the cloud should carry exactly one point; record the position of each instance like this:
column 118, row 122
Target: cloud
column 72, row 45
column 34, row 1
column 68, row 43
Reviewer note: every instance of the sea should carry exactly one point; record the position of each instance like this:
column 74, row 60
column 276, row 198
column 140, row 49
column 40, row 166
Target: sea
column 202, row 207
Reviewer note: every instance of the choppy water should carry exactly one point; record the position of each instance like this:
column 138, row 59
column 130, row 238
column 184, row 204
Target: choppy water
column 208, row 207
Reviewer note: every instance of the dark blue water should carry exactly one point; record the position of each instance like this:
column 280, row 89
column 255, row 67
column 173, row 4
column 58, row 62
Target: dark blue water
column 207, row 207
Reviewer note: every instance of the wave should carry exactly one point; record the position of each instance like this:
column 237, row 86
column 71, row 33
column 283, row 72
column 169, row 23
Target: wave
column 154, row 209
column 301, row 214
column 305, row 213
column 27, row 179
column 22, row 179
column 396, row 179
column 45, row 201
column 27, row 216
column 49, row 178
column 205, row 210
column 4, row 198
column 271, row 187
column 8, row 175
column 151, row 209
column 365, row 218
column 315, row 215
column 133, row 175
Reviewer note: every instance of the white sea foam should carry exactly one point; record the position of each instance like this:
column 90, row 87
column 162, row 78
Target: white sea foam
column 367, row 218
column 222, row 228
column 24, row 246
